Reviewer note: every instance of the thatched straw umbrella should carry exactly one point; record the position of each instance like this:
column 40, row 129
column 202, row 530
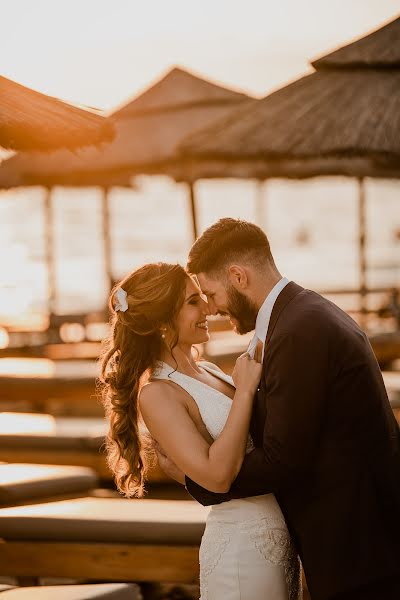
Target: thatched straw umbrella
column 341, row 119
column 149, row 130
column 348, row 107
column 30, row 120
column 33, row 121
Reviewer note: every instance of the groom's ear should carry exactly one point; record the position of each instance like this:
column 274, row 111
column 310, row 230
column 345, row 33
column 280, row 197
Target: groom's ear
column 237, row 276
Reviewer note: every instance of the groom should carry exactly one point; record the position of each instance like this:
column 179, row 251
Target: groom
column 327, row 443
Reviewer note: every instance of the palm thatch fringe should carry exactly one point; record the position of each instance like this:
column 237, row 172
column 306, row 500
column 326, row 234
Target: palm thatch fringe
column 149, row 131
column 345, row 113
column 177, row 89
column 381, row 48
column 30, row 120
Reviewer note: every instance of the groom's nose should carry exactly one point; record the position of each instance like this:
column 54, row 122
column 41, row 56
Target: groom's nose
column 212, row 307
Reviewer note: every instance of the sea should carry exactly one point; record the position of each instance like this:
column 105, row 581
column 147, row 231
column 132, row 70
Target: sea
column 312, row 226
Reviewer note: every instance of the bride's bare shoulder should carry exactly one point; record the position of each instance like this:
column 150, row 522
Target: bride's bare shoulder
column 158, row 391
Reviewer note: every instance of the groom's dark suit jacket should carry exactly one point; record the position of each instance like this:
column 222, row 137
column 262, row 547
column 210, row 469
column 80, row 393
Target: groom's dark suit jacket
column 327, row 445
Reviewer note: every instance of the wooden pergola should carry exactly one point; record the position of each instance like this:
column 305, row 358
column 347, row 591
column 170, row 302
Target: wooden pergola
column 149, row 131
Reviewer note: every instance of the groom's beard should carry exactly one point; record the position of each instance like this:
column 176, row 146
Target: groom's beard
column 242, row 309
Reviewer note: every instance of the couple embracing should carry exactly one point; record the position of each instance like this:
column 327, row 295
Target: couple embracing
column 298, row 452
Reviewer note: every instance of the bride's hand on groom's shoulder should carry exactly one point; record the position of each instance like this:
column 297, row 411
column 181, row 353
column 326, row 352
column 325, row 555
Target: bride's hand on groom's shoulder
column 247, row 374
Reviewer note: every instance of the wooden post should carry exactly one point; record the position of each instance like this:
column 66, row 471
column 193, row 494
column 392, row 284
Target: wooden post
column 193, row 210
column 362, row 250
column 261, row 204
column 106, row 227
column 49, row 251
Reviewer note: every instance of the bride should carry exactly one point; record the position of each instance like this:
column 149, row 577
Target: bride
column 200, row 417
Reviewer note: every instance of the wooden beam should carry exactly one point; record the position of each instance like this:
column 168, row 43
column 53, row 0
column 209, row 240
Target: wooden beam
column 107, row 247
column 362, row 259
column 261, row 204
column 193, row 210
column 95, row 460
column 49, row 250
column 102, row 562
column 54, row 456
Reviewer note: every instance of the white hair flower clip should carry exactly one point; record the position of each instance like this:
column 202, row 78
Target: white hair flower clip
column 121, row 302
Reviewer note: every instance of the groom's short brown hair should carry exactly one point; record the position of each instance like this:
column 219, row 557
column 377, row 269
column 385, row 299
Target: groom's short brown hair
column 227, row 241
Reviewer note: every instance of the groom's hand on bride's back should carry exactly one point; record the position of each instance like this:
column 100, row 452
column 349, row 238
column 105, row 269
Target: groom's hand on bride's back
column 167, row 465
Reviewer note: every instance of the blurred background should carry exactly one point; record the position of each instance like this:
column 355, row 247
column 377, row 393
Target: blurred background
column 103, row 56
column 183, row 127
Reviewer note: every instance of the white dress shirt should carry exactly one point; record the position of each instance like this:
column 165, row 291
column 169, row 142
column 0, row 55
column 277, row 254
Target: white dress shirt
column 264, row 316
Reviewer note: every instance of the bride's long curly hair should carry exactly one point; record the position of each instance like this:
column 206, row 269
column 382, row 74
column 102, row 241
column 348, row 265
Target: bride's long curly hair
column 155, row 295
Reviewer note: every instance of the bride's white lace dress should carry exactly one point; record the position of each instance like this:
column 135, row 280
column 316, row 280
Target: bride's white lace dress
column 246, row 551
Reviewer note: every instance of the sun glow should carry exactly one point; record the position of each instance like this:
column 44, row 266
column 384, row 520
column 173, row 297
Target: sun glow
column 20, row 423
column 27, row 367
column 4, row 338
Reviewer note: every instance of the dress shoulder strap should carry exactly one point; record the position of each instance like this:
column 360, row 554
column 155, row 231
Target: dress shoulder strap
column 164, row 371
column 216, row 371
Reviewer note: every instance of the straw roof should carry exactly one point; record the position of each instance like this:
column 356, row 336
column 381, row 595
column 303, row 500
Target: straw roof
column 149, row 130
column 288, row 168
column 335, row 112
column 30, row 120
column 381, row 48
column 341, row 112
column 178, row 89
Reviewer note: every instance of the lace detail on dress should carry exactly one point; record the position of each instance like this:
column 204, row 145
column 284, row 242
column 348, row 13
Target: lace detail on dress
column 271, row 538
column 213, row 544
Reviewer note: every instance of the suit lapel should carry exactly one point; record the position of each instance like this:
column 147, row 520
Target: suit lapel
column 287, row 294
column 260, row 403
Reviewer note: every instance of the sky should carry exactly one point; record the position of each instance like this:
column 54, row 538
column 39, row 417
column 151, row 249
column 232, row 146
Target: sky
column 102, row 52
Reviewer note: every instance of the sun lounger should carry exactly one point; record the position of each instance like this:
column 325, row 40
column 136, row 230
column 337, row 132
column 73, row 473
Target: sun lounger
column 24, row 483
column 103, row 539
column 55, row 432
column 62, row 387
column 42, row 438
column 103, row 591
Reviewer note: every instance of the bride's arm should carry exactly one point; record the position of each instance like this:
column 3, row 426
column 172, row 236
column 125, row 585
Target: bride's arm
column 167, row 418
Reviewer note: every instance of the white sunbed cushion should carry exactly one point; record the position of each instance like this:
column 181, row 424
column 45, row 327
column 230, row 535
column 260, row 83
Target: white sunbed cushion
column 115, row 520
column 22, row 482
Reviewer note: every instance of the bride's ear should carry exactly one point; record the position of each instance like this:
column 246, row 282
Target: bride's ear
column 237, row 276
